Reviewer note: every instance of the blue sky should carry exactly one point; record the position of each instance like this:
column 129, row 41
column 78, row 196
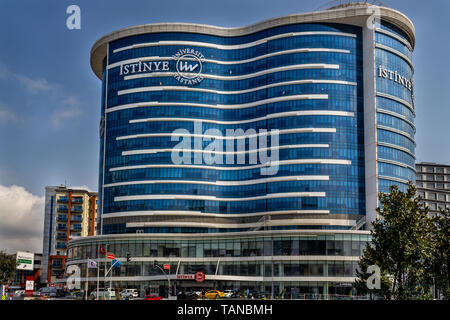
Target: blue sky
column 50, row 98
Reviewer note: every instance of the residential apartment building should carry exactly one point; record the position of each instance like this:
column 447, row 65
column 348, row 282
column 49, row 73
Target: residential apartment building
column 68, row 213
column 433, row 185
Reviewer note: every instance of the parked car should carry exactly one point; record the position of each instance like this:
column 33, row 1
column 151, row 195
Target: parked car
column 152, row 297
column 50, row 292
column 214, row 294
column 228, row 293
column 19, row 293
column 129, row 293
column 102, row 294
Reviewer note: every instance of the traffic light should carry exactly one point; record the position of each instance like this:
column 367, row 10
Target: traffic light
column 128, row 257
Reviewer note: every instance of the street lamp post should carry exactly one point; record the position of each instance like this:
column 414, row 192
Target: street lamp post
column 155, row 264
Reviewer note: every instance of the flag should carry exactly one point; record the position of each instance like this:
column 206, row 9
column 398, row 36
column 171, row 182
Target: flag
column 166, row 266
column 102, row 250
column 116, row 263
column 110, row 256
column 92, row 264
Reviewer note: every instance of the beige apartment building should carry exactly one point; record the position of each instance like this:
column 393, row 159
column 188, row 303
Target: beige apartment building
column 69, row 213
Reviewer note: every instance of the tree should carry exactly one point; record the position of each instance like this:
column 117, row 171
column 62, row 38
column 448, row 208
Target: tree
column 438, row 265
column 401, row 247
column 7, row 267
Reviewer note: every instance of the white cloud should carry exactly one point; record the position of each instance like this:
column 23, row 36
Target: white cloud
column 59, row 116
column 67, row 107
column 22, row 220
column 6, row 115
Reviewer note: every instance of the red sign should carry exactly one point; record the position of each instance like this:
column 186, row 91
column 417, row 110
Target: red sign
column 110, row 256
column 199, row 276
column 166, row 266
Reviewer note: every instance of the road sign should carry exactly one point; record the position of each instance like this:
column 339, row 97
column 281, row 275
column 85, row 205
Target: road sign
column 199, row 276
column 25, row 260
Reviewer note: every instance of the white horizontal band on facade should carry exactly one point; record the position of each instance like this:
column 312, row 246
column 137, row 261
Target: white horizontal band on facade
column 268, row 117
column 396, row 52
column 267, row 280
column 397, row 115
column 211, row 167
column 403, row 133
column 230, row 259
column 210, row 215
column 235, row 46
column 392, row 179
column 229, row 62
column 396, row 99
column 393, row 146
column 393, row 35
column 212, row 198
column 220, row 106
column 396, row 163
column 184, row 88
column 237, row 137
column 222, row 183
column 154, row 151
column 240, row 77
column 268, row 223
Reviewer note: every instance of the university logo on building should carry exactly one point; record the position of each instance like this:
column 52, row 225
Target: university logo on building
column 188, row 67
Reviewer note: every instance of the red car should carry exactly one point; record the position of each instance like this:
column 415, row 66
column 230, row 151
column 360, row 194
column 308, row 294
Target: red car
column 152, row 297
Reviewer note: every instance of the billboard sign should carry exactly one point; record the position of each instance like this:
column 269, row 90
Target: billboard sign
column 25, row 260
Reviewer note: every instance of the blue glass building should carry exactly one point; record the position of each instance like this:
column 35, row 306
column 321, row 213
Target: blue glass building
column 333, row 94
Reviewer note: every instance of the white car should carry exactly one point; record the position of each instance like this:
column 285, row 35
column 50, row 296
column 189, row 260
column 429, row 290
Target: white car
column 109, row 293
column 130, row 293
column 19, row 293
column 228, row 293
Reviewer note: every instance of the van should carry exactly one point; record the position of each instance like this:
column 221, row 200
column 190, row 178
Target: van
column 102, row 294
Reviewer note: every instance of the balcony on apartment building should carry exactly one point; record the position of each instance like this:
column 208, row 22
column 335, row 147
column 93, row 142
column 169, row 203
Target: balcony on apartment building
column 76, row 209
column 77, row 200
column 61, row 227
column 61, row 217
column 63, row 200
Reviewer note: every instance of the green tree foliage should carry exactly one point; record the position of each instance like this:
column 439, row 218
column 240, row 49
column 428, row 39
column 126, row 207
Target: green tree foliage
column 7, row 267
column 438, row 266
column 401, row 247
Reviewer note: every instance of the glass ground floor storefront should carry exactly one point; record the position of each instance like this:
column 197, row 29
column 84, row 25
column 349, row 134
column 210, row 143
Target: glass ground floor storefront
column 288, row 264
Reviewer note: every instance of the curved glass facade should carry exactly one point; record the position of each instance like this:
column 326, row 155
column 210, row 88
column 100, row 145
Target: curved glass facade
column 395, row 107
column 255, row 82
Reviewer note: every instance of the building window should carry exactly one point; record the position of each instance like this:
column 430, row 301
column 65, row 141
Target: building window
column 431, row 196
column 439, row 170
column 441, row 197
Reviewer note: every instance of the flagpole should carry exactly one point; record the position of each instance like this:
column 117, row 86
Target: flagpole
column 110, row 279
column 98, row 269
column 104, row 276
column 87, row 275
